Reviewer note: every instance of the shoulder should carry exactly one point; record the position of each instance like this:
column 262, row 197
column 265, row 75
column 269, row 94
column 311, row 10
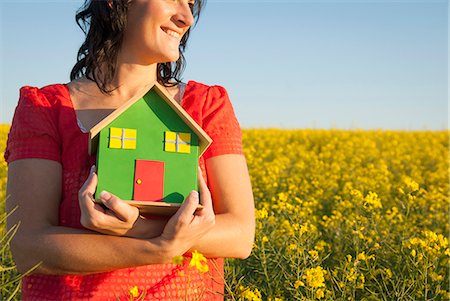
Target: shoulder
column 45, row 102
column 215, row 114
column 49, row 96
column 204, row 89
column 204, row 96
column 38, row 104
column 34, row 130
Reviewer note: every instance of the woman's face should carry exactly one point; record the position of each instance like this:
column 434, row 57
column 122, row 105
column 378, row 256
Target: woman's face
column 154, row 30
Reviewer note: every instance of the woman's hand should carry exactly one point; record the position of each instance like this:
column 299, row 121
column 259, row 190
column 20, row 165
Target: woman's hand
column 189, row 225
column 122, row 219
column 118, row 218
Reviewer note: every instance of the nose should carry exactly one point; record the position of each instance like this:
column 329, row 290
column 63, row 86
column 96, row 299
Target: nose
column 183, row 16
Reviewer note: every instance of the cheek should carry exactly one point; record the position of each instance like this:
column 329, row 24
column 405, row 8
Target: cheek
column 139, row 27
column 135, row 19
column 160, row 11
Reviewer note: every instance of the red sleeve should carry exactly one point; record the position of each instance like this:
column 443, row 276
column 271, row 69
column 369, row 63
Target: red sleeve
column 34, row 130
column 220, row 123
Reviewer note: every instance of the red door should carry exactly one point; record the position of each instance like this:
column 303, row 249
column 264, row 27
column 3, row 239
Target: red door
column 148, row 181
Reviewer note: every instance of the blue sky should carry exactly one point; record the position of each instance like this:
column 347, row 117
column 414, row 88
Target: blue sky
column 292, row 64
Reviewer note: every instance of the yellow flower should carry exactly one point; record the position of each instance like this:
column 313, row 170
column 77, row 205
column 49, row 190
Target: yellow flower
column 356, row 194
column 388, row 273
column 314, row 254
column 272, row 220
column 307, row 228
column 298, row 283
column 362, row 280
column 410, row 184
column 363, row 257
column 199, row 262
column 431, row 244
column 352, row 275
column 320, row 293
column 260, row 214
column 248, row 294
column 178, row 260
column 292, row 247
column 321, row 245
column 372, row 201
column 445, row 294
column 315, row 277
column 283, row 197
column 264, row 239
column 436, row 277
column 134, row 291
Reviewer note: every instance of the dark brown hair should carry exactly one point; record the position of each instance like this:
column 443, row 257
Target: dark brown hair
column 103, row 23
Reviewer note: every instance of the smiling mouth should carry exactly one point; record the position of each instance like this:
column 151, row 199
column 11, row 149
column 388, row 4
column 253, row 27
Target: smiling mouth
column 172, row 33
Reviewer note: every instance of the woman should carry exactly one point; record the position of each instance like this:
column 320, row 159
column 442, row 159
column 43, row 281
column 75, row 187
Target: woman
column 82, row 250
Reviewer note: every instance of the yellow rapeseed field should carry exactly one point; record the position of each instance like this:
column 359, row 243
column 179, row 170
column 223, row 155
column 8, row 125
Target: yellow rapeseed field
column 341, row 215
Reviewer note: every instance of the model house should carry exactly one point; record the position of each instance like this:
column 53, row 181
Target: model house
column 148, row 149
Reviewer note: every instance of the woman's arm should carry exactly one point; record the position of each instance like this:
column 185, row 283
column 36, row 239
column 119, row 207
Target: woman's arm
column 34, row 187
column 116, row 217
column 232, row 197
column 231, row 194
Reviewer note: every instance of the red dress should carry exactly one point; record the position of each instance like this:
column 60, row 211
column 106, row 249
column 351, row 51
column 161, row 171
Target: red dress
column 45, row 126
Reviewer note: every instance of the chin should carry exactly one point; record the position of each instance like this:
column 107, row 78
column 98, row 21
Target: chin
column 172, row 58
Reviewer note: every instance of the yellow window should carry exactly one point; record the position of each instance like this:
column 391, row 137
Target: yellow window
column 177, row 142
column 122, row 138
column 129, row 140
column 170, row 138
column 184, row 145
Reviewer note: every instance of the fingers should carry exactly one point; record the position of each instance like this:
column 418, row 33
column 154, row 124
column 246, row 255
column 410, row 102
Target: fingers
column 122, row 210
column 184, row 228
column 187, row 226
column 86, row 192
column 91, row 182
column 205, row 194
column 187, row 209
column 116, row 219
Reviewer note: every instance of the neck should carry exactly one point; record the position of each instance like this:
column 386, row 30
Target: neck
column 132, row 78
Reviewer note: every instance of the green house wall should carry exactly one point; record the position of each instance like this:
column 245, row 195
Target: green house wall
column 151, row 116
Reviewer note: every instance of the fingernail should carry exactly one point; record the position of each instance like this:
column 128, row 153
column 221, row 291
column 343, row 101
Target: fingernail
column 93, row 168
column 105, row 195
column 194, row 193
